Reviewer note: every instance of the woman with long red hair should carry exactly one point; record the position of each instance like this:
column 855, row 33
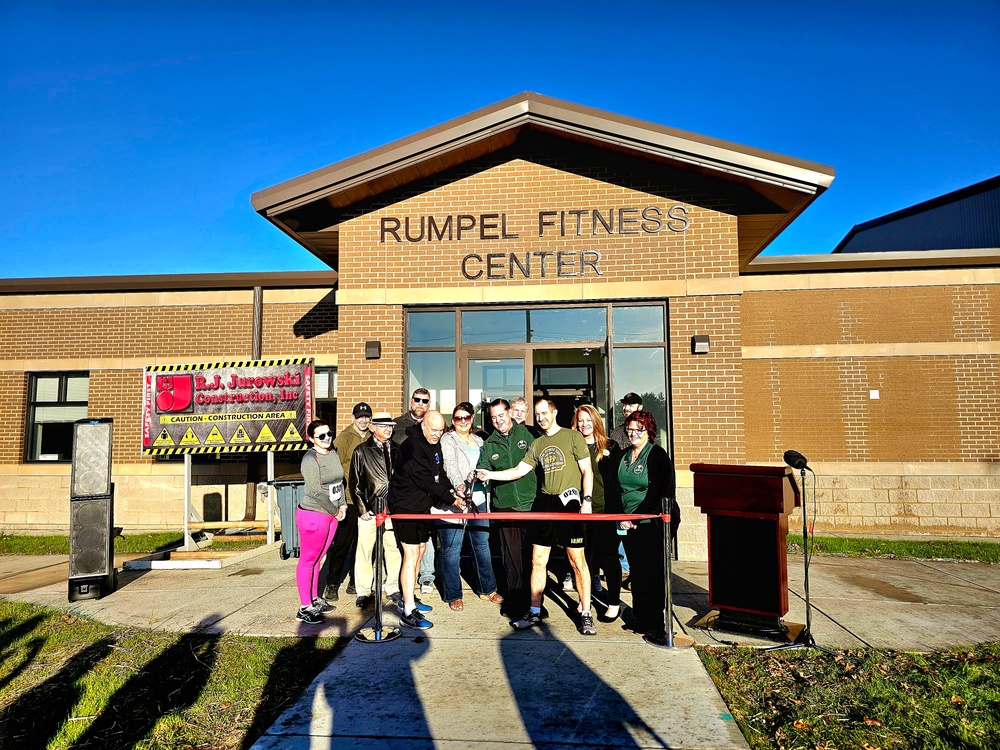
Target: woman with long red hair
column 601, row 536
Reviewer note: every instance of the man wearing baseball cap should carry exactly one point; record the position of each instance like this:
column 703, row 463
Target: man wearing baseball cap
column 345, row 541
column 630, row 402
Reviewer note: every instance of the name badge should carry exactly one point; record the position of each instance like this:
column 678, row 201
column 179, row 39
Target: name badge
column 336, row 492
column 568, row 496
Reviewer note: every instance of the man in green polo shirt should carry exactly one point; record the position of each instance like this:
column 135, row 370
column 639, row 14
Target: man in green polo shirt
column 567, row 484
column 504, row 449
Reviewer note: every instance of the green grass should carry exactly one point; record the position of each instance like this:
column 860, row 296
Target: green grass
column 59, row 545
column 938, row 549
column 67, row 681
column 862, row 699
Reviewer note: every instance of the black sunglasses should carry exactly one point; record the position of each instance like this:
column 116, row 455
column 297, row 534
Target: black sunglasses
column 421, row 400
column 323, row 436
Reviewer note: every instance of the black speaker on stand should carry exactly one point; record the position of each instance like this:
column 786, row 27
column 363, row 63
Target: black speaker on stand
column 92, row 572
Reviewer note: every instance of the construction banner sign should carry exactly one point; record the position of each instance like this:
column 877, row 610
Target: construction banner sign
column 227, row 407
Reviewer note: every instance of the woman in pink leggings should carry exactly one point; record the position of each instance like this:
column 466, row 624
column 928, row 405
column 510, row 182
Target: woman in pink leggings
column 321, row 507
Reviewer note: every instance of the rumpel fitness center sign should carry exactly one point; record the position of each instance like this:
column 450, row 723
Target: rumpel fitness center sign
column 227, row 407
column 627, row 220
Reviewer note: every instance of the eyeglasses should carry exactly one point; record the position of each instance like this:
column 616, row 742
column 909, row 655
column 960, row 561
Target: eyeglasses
column 323, row 436
column 384, row 426
column 462, row 418
column 420, row 400
column 630, row 431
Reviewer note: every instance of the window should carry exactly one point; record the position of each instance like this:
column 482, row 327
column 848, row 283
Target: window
column 55, row 402
column 325, row 393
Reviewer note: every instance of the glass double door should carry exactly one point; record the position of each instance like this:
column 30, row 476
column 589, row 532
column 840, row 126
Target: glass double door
column 570, row 376
column 488, row 374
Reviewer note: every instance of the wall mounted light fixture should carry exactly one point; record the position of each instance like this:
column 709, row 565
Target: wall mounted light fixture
column 373, row 350
column 699, row 345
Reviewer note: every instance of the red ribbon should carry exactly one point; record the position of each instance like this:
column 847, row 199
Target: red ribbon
column 380, row 518
column 528, row 516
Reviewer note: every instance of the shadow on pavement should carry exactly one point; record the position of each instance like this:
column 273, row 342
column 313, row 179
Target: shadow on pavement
column 561, row 699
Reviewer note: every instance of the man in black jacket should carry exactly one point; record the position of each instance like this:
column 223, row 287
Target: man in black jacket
column 371, row 475
column 420, row 484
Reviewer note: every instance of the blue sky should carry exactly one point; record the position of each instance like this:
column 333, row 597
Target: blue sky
column 133, row 133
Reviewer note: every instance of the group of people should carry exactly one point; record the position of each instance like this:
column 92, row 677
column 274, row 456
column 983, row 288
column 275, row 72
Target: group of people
column 416, row 464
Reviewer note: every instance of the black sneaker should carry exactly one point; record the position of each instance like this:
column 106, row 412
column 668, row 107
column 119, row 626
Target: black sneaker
column 322, row 606
column 332, row 593
column 415, row 620
column 363, row 601
column 350, row 589
column 587, row 626
column 308, row 615
column 529, row 620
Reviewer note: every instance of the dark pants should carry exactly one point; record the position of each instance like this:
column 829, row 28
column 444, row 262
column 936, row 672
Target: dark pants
column 602, row 554
column 516, row 554
column 341, row 552
column 644, row 547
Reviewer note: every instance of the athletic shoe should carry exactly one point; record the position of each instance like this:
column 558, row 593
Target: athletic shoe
column 363, row 601
column 596, row 586
column 568, row 582
column 420, row 606
column 308, row 615
column 331, row 593
column 322, row 606
column 587, row 626
column 426, row 588
column 350, row 589
column 529, row 620
column 415, row 620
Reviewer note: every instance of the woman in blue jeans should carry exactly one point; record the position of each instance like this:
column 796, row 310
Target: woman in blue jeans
column 461, row 446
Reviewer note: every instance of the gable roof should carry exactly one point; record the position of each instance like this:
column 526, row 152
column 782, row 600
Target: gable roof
column 966, row 219
column 770, row 189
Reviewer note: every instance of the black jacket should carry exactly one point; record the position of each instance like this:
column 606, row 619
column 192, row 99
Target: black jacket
column 370, row 479
column 420, row 481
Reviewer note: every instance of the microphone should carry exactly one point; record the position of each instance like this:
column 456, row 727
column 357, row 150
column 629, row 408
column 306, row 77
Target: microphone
column 796, row 460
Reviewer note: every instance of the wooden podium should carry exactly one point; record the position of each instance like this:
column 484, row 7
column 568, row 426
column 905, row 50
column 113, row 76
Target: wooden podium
column 747, row 509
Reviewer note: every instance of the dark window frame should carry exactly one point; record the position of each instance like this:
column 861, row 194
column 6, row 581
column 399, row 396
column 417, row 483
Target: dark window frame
column 33, row 403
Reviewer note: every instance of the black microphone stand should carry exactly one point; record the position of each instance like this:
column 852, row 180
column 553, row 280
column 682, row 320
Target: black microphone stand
column 805, row 638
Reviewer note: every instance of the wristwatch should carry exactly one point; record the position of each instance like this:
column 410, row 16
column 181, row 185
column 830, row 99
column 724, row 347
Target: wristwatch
column 588, row 499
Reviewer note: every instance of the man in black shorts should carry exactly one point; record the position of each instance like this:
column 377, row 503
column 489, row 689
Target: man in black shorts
column 567, row 484
column 419, row 484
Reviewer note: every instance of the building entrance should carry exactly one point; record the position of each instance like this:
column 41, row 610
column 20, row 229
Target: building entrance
column 593, row 353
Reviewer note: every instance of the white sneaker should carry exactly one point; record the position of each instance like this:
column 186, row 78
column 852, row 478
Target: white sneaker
column 568, row 583
column 426, row 588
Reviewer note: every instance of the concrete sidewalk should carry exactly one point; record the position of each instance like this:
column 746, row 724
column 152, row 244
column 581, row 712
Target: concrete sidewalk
column 472, row 681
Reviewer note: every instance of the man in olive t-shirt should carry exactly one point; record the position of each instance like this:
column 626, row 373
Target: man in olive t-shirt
column 567, row 484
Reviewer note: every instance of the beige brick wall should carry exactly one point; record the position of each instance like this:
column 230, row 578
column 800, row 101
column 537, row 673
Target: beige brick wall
column 937, row 412
column 521, row 189
column 379, row 382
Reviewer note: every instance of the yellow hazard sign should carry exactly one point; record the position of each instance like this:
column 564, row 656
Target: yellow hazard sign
column 266, row 436
column 240, row 436
column 190, row 438
column 291, row 435
column 163, row 439
column 215, row 437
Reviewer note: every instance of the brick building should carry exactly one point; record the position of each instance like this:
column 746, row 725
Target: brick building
column 539, row 246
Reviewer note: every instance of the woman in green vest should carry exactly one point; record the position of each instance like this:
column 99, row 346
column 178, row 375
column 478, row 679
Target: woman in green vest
column 643, row 482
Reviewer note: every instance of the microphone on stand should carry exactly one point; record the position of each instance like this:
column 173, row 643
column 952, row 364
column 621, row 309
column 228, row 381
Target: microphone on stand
column 796, row 460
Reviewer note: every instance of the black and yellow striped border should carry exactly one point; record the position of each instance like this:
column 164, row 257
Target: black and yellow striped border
column 240, row 363
column 227, row 449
